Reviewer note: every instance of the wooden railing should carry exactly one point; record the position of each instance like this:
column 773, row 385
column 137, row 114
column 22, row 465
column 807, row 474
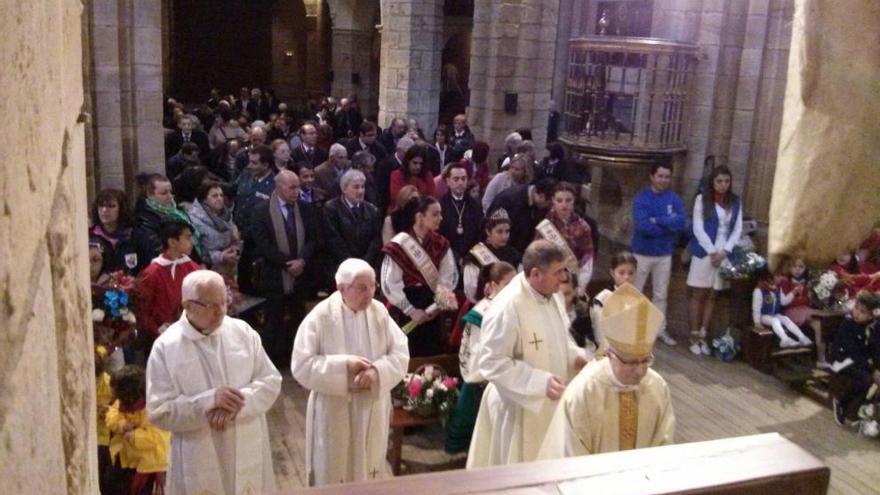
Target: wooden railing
column 628, row 92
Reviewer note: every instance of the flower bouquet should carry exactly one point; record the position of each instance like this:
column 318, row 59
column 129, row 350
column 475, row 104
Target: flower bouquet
column 743, row 265
column 444, row 300
column 112, row 314
column 429, row 392
column 828, row 292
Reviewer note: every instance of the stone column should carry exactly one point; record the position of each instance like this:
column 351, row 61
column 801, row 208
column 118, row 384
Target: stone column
column 513, row 43
column 565, row 31
column 409, row 77
column 352, row 34
column 825, row 192
column 126, row 62
column 47, row 410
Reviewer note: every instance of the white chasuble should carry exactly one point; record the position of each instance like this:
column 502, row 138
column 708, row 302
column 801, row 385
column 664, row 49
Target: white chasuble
column 346, row 429
column 184, row 371
column 597, row 414
column 525, row 340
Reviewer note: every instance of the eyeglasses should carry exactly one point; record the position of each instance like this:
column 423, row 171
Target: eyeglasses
column 206, row 305
column 646, row 362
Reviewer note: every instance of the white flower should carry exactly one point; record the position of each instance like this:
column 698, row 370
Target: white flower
column 869, row 428
column 97, row 314
column 440, row 386
column 429, row 393
column 129, row 317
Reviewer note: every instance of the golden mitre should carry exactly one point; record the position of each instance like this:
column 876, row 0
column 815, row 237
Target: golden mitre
column 630, row 322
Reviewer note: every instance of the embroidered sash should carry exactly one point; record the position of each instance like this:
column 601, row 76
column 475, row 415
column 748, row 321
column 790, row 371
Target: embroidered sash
column 419, row 257
column 483, row 255
column 548, row 231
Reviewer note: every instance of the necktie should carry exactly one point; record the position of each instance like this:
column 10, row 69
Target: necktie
column 186, row 138
column 290, row 226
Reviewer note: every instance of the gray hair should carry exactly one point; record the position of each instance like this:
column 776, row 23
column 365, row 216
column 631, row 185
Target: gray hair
column 540, row 254
column 351, row 269
column 198, row 281
column 512, row 140
column 405, row 143
column 338, row 150
column 352, row 174
column 362, row 158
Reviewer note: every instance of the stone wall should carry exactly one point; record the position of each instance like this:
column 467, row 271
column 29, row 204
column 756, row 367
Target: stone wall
column 125, row 62
column 513, row 47
column 47, row 411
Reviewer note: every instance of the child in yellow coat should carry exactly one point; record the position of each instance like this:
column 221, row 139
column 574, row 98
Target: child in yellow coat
column 137, row 448
column 103, row 398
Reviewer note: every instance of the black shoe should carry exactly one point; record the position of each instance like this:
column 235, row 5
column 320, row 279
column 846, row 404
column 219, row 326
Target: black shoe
column 837, row 410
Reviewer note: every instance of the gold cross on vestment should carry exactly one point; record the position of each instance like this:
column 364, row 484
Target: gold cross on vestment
column 373, row 473
column 535, row 341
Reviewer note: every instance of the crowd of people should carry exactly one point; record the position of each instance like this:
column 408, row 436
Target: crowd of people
column 490, row 261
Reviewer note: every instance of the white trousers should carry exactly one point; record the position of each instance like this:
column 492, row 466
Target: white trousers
column 658, row 268
column 779, row 324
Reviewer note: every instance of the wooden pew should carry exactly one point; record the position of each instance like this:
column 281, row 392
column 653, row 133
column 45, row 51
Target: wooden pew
column 767, row 464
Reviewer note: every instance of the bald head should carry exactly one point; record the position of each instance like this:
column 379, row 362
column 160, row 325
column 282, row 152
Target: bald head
column 287, row 186
column 257, row 136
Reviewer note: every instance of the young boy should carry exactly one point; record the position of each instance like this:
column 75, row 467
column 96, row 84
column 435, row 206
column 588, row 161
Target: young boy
column 157, row 288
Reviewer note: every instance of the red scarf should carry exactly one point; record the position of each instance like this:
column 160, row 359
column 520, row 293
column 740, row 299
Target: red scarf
column 722, row 199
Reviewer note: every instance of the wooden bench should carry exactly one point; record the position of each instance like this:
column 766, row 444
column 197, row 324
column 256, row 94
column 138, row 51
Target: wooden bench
column 762, row 353
column 402, row 419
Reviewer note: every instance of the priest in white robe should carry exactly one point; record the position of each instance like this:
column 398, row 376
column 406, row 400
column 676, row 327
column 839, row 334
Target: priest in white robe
column 617, row 402
column 210, row 383
column 350, row 354
column 528, row 357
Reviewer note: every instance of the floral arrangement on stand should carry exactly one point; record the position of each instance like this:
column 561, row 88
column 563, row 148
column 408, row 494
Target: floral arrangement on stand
column 112, row 315
column 742, row 264
column 428, row 392
column 444, row 300
column 828, row 292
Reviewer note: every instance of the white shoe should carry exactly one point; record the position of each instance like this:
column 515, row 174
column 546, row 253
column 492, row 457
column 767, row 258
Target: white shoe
column 704, row 347
column 696, row 349
column 667, row 339
column 788, row 343
column 806, row 342
column 823, row 365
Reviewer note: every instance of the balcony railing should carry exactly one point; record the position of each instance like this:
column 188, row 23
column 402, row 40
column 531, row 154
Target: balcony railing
column 628, row 92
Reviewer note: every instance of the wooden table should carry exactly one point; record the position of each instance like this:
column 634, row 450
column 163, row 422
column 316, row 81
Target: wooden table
column 400, row 420
column 767, row 464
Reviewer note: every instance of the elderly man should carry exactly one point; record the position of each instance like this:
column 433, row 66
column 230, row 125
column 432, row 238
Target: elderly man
column 286, row 231
column 350, row 354
column 210, row 384
column 617, row 402
column 528, row 357
column 308, row 151
column 385, row 167
column 327, row 174
column 352, row 227
column 462, row 139
column 256, row 137
column 393, row 133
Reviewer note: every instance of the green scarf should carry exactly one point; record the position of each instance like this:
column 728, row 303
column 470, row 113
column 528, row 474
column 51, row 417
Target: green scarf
column 174, row 213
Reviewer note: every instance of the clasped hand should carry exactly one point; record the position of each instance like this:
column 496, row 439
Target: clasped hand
column 365, row 374
column 227, row 403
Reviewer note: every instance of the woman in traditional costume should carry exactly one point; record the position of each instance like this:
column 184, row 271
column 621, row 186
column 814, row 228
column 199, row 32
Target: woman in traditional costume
column 418, row 269
column 494, row 249
column 569, row 231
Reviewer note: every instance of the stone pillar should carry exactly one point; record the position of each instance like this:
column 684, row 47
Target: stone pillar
column 565, row 31
column 513, row 41
column 825, row 192
column 126, row 62
column 409, row 77
column 47, row 410
column 352, row 34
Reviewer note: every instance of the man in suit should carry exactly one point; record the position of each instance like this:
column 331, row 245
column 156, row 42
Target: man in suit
column 352, row 226
column 258, row 107
column 187, row 133
column 462, row 214
column 366, row 141
column 393, row 133
column 462, row 138
column 256, row 138
column 285, row 231
column 383, row 171
column 526, row 205
column 308, row 151
column 327, row 174
column 244, row 99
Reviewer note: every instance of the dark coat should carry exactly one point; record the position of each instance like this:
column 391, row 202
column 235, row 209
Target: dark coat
column 148, row 244
column 267, row 249
column 318, row 156
column 460, row 144
column 382, row 176
column 523, row 216
column 347, row 235
column 353, row 146
column 471, row 221
column 174, row 142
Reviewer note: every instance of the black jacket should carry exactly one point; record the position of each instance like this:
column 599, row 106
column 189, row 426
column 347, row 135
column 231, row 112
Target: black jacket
column 523, row 216
column 471, row 222
column 174, row 142
column 148, row 244
column 318, row 156
column 353, row 145
column 267, row 249
column 347, row 235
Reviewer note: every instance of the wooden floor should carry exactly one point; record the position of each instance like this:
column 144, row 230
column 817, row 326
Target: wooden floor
column 711, row 400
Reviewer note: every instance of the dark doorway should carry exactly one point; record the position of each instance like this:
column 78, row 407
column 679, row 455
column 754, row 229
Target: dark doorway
column 219, row 43
column 455, row 61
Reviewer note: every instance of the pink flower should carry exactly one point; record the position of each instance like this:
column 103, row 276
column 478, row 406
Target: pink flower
column 415, row 387
column 451, row 383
